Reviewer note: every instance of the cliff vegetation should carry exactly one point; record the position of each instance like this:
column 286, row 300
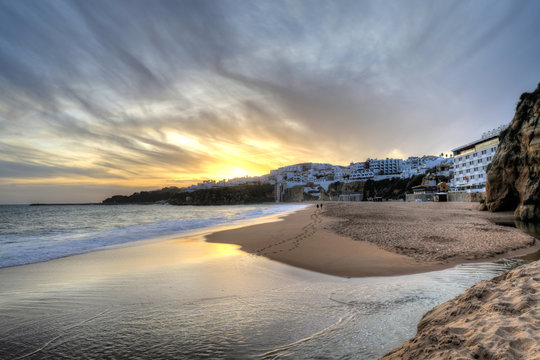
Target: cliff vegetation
column 234, row 195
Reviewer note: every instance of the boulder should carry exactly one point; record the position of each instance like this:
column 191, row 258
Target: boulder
column 513, row 178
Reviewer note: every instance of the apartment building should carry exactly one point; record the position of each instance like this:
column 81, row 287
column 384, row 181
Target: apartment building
column 385, row 166
column 471, row 161
column 361, row 174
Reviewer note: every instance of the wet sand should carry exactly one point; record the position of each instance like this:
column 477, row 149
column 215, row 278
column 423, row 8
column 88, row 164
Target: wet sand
column 381, row 239
column 185, row 298
column 494, row 319
column 188, row 299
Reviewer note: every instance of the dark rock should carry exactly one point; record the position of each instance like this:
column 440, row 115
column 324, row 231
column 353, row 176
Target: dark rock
column 143, row 197
column 234, row 195
column 295, row 194
column 342, row 188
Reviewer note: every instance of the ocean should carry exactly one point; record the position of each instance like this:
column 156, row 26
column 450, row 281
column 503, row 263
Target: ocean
column 30, row 234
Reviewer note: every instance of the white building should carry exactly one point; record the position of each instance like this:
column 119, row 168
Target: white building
column 471, row 161
column 361, row 174
column 339, row 173
column 385, row 166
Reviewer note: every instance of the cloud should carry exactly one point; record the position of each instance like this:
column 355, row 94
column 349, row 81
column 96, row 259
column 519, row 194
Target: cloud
column 167, row 90
column 19, row 170
column 17, row 193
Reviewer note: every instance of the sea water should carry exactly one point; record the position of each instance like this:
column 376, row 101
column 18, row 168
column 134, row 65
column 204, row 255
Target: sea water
column 30, row 234
column 229, row 306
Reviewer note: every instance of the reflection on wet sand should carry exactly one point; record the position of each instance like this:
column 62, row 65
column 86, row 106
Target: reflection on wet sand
column 186, row 298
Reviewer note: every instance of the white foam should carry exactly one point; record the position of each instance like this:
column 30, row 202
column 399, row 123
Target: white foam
column 50, row 243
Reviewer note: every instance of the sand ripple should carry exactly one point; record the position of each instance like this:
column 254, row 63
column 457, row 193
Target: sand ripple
column 427, row 231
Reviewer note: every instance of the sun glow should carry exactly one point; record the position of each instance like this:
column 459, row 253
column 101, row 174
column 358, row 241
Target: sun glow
column 238, row 172
column 228, row 171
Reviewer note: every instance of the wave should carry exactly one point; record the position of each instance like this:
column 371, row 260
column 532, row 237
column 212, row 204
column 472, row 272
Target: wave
column 47, row 244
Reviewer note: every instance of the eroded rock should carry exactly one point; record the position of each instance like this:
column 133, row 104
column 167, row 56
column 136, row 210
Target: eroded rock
column 513, row 179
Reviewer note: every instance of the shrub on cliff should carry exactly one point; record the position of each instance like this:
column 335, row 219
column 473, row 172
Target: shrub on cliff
column 241, row 194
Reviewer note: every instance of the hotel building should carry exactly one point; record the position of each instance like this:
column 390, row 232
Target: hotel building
column 385, row 166
column 471, row 161
column 361, row 174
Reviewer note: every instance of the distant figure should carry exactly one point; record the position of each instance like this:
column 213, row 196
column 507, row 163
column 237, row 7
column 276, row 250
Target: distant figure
column 317, row 206
column 321, row 206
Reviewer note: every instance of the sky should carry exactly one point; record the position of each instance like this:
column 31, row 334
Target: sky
column 111, row 97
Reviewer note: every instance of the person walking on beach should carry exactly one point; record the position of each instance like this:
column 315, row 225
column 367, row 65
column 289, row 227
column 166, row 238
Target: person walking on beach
column 321, row 206
column 317, row 206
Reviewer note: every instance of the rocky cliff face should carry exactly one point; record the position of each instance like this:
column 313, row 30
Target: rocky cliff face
column 234, row 195
column 513, row 179
column 339, row 188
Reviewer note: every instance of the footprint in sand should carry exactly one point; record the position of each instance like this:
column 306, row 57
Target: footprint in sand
column 307, row 231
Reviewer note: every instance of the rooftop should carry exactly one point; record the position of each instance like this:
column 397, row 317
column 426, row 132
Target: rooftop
column 485, row 137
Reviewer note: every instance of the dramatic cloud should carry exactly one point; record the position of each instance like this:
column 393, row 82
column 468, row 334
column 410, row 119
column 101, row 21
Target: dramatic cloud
column 137, row 93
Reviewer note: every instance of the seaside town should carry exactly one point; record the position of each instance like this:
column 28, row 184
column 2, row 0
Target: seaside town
column 464, row 166
column 271, row 179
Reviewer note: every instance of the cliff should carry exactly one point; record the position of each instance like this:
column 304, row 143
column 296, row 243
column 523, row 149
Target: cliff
column 143, row 197
column 297, row 194
column 513, row 178
column 342, row 188
column 395, row 188
column 234, row 195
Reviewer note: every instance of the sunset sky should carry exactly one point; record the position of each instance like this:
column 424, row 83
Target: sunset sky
column 110, row 97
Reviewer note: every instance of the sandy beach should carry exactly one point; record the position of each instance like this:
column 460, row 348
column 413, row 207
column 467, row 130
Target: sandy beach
column 494, row 319
column 381, row 239
column 189, row 298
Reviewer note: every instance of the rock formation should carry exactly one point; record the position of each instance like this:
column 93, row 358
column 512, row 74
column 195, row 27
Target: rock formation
column 294, row 194
column 513, row 179
column 234, row 195
column 340, row 188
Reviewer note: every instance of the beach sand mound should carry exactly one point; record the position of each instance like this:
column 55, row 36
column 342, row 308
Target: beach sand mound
column 495, row 319
column 430, row 231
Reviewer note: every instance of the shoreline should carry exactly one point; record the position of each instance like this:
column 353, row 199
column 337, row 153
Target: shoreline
column 162, row 271
column 128, row 258
column 158, row 237
column 327, row 252
column 313, row 240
